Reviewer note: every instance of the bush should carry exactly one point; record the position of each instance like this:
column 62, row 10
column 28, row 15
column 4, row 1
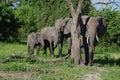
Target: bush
column 9, row 24
column 113, row 25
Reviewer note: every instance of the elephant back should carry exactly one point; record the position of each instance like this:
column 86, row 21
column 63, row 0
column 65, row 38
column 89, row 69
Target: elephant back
column 49, row 33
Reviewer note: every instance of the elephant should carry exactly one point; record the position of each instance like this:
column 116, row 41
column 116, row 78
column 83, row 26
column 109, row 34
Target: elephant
column 91, row 28
column 34, row 40
column 63, row 26
column 96, row 28
column 51, row 38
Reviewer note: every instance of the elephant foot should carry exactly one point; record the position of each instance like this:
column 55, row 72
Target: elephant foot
column 89, row 64
column 30, row 53
column 52, row 55
column 86, row 63
column 82, row 64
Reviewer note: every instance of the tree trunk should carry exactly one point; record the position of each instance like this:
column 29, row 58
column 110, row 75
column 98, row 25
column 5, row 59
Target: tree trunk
column 75, row 49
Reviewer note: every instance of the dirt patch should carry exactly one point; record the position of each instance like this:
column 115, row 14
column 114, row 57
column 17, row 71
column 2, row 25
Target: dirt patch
column 16, row 75
column 95, row 76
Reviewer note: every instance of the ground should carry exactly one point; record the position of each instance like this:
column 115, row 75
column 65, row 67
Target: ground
column 106, row 66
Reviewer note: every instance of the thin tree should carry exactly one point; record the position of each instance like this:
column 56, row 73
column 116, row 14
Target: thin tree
column 75, row 49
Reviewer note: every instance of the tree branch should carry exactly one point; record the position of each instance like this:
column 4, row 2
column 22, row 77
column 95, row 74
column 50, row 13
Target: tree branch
column 71, row 7
column 34, row 58
column 107, row 3
column 79, row 8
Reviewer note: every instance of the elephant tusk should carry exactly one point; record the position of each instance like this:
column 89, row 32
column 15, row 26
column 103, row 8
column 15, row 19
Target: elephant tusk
column 87, row 39
column 97, row 38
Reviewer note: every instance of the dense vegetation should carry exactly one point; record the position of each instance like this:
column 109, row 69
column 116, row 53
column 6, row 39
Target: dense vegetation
column 18, row 20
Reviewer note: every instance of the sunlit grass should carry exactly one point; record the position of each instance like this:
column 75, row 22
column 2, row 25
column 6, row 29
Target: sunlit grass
column 106, row 65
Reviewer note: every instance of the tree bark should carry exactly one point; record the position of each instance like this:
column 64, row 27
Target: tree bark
column 75, row 49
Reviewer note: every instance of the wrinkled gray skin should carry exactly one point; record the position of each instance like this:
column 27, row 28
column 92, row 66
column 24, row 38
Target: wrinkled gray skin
column 50, row 36
column 34, row 40
column 91, row 29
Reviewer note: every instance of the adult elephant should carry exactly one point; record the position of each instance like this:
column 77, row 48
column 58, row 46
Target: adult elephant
column 63, row 26
column 34, row 40
column 95, row 28
column 50, row 37
column 90, row 29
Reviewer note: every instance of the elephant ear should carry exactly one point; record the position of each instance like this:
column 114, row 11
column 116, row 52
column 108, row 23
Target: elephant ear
column 64, row 24
column 58, row 24
column 68, row 25
column 101, row 29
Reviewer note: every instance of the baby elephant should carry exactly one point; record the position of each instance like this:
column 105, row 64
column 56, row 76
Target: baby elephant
column 34, row 40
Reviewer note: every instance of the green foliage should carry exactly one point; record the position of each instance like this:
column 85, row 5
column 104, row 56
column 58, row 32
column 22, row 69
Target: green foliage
column 8, row 24
column 113, row 25
column 27, row 16
column 87, row 7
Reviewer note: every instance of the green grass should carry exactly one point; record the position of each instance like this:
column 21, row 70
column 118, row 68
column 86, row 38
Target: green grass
column 106, row 66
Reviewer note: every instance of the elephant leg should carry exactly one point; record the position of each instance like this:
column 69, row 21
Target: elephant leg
column 60, row 48
column 60, row 44
column 91, row 55
column 28, row 49
column 69, row 44
column 45, row 50
column 38, row 49
column 86, row 50
column 51, row 49
column 31, row 50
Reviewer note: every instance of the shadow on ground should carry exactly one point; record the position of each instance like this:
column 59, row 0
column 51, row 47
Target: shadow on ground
column 108, row 61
